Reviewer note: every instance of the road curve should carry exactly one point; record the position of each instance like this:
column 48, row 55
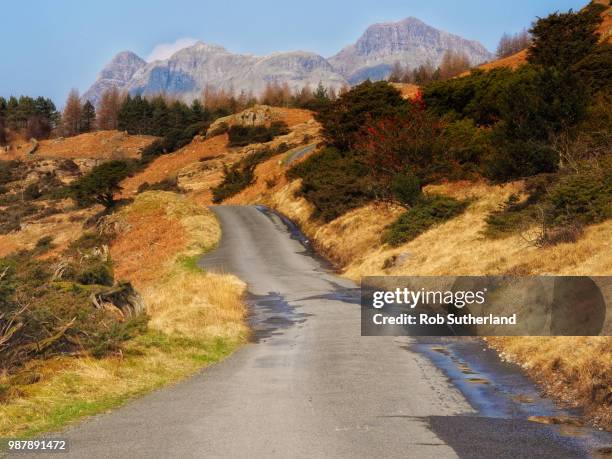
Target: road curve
column 308, row 384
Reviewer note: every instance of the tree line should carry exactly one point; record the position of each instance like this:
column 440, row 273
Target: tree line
column 455, row 63
column 37, row 117
column 157, row 115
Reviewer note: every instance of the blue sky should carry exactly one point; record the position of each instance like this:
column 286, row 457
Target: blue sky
column 49, row 47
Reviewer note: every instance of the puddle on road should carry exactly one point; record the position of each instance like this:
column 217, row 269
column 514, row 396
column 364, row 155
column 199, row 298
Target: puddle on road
column 499, row 389
column 271, row 313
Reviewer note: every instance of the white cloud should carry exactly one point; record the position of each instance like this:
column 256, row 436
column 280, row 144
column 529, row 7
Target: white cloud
column 165, row 50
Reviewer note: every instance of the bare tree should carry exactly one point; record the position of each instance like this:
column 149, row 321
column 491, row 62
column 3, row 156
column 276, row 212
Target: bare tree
column 397, row 73
column 71, row 116
column 453, row 63
column 512, row 44
column 423, row 74
column 216, row 99
column 108, row 109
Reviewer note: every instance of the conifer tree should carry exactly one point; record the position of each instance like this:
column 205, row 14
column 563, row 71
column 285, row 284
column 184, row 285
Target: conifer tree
column 88, row 117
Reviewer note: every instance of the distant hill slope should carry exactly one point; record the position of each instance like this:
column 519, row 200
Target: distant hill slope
column 100, row 145
column 185, row 74
column 518, row 59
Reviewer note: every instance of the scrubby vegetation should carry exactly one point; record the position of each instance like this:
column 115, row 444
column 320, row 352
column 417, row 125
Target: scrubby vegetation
column 426, row 212
column 48, row 316
column 240, row 136
column 335, row 182
column 48, row 306
column 239, row 176
column 101, row 183
column 168, row 184
column 546, row 122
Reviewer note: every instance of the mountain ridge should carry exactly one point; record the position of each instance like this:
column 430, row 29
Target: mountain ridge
column 189, row 70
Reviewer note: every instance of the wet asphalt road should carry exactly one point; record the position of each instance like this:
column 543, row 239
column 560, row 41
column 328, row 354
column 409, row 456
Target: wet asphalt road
column 308, row 385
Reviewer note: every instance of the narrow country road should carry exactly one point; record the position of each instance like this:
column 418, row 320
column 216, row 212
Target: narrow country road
column 308, row 384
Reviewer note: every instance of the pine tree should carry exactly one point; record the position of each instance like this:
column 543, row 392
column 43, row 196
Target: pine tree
column 159, row 117
column 320, row 93
column 88, row 117
column 198, row 112
column 562, row 40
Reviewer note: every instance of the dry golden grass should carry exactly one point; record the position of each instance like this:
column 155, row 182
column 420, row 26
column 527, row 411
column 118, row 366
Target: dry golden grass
column 97, row 145
column 575, row 369
column 408, row 90
column 64, row 228
column 197, row 305
column 170, row 165
column 513, row 62
column 179, row 300
column 196, row 318
column 293, row 116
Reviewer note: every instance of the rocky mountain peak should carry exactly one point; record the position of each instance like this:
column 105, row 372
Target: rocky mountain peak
column 117, row 73
column 410, row 42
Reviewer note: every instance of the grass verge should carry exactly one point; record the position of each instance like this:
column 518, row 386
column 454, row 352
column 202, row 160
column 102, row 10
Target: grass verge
column 573, row 369
column 196, row 318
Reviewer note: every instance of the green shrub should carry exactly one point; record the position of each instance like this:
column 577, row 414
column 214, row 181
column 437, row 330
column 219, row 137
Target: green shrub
column 96, row 274
column 240, row 136
column 7, row 171
column 239, row 176
column 283, row 147
column 466, row 146
column 335, row 182
column 425, row 214
column 221, row 128
column 60, row 317
column 568, row 199
column 32, row 192
column 536, row 105
column 475, row 96
column 563, row 39
column 518, row 158
column 167, row 184
column 343, row 119
column 101, row 183
column 87, row 242
column 406, row 188
column 44, row 243
column 584, row 197
column 596, row 68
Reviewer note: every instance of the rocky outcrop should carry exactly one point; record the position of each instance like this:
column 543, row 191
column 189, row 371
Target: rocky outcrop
column 255, row 116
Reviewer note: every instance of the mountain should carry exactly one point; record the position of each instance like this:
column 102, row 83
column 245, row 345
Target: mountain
column 410, row 42
column 189, row 70
column 117, row 73
column 185, row 74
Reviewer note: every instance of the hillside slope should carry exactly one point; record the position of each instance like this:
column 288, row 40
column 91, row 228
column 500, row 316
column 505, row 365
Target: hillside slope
column 458, row 247
column 93, row 145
